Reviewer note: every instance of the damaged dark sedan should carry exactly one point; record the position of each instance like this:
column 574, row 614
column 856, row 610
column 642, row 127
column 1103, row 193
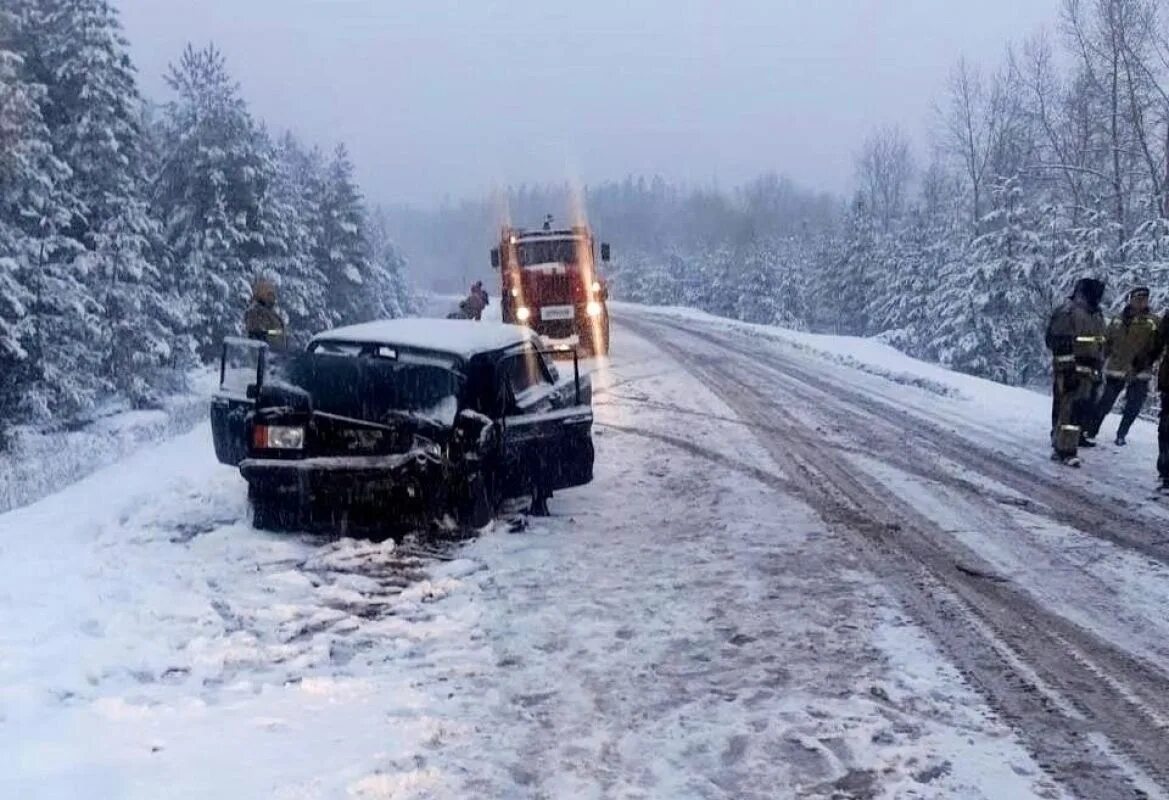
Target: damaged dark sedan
column 401, row 424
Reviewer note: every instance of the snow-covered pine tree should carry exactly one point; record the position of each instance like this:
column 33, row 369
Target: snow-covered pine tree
column 357, row 287
column 290, row 259
column 994, row 303
column 217, row 167
column 638, row 277
column 715, row 287
column 756, row 284
column 655, row 282
column 94, row 113
column 848, row 277
column 62, row 373
column 1146, row 262
column 400, row 299
column 791, row 259
column 27, row 167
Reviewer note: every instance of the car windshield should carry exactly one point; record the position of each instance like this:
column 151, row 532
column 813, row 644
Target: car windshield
column 549, row 251
column 375, row 389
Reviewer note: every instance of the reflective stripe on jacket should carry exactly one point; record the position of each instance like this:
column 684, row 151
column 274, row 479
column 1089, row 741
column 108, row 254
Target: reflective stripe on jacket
column 1076, row 335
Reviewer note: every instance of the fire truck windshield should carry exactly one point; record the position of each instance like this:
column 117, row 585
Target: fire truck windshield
column 548, row 251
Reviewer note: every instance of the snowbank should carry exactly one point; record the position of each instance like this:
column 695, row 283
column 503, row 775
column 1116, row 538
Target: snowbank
column 39, row 463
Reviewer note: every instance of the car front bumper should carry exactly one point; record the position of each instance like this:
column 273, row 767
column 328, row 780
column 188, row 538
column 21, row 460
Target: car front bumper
column 405, row 480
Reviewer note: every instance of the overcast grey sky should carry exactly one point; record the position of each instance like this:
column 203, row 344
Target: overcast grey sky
column 440, row 97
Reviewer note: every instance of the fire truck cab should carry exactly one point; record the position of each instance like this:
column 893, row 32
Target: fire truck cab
column 550, row 283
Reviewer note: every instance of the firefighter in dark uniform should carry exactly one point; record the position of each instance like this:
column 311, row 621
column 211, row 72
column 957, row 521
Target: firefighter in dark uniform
column 1075, row 336
column 1161, row 350
column 1131, row 341
column 261, row 319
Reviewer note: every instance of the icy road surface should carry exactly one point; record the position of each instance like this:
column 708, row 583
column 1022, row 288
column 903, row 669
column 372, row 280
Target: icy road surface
column 803, row 571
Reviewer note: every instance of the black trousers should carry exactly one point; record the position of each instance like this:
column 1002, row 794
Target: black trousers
column 1163, row 438
column 1135, row 394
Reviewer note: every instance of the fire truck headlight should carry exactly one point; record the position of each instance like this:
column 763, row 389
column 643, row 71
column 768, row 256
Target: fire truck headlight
column 515, row 291
column 593, row 309
column 596, row 286
column 523, row 313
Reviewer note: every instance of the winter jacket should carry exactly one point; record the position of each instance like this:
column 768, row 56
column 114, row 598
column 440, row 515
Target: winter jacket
column 1075, row 337
column 1159, row 352
column 473, row 306
column 1132, row 340
column 262, row 322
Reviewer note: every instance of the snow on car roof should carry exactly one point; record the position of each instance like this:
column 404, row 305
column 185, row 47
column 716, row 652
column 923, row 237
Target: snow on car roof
column 460, row 337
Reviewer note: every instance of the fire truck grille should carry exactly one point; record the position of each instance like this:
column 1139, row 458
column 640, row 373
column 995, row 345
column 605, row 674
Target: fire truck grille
column 557, row 328
column 556, row 286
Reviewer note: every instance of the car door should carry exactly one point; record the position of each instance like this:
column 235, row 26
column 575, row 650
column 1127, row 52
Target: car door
column 241, row 367
column 547, row 424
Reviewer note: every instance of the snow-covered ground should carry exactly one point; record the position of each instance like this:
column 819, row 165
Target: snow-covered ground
column 692, row 624
column 39, row 462
column 1013, row 420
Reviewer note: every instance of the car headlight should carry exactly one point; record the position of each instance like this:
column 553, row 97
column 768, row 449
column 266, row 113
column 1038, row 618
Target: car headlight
column 523, row 313
column 593, row 309
column 278, row 437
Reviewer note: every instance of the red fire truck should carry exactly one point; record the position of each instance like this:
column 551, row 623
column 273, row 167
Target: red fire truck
column 551, row 284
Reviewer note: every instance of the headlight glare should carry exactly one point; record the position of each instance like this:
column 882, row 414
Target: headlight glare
column 593, row 309
column 523, row 313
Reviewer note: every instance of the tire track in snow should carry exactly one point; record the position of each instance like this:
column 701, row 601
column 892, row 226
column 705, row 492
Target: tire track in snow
column 1067, row 504
column 1062, row 688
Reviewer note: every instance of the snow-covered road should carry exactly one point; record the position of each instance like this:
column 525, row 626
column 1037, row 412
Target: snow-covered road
column 803, row 571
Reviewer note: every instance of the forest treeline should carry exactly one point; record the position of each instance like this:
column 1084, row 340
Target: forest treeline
column 131, row 231
column 1053, row 165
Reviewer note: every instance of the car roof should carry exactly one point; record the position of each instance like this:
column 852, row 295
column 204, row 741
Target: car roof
column 460, row 337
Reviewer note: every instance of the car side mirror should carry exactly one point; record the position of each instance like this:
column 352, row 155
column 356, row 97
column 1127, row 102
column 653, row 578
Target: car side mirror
column 495, row 258
column 605, row 251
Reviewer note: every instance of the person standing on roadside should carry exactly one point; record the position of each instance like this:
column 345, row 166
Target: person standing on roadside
column 1129, row 348
column 1075, row 337
column 472, row 307
column 261, row 319
column 1161, row 350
